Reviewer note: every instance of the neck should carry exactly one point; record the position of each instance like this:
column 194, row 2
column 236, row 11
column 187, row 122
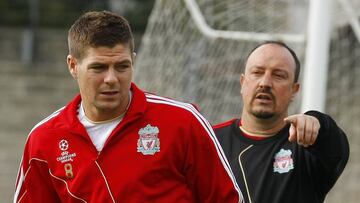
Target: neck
column 103, row 121
column 262, row 127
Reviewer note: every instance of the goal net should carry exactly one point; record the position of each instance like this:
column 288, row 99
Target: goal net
column 194, row 50
column 178, row 60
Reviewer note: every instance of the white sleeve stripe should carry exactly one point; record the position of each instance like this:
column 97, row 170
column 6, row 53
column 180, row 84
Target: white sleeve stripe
column 23, row 177
column 22, row 196
column 211, row 133
column 20, row 175
column 200, row 117
column 193, row 110
column 207, row 127
column 47, row 119
column 202, row 122
column 41, row 160
column 19, row 183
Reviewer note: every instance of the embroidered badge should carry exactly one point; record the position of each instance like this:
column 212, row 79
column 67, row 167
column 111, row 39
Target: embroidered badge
column 63, row 145
column 148, row 142
column 65, row 156
column 283, row 161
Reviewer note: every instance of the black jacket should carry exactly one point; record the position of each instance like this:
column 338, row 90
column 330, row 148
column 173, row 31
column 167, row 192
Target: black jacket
column 274, row 170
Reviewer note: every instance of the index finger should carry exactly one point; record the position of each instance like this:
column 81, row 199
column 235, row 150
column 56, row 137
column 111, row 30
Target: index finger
column 291, row 119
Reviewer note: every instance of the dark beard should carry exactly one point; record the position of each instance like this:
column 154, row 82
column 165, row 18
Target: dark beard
column 263, row 115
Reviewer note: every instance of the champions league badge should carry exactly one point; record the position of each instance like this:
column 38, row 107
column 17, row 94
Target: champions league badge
column 283, row 162
column 65, row 156
column 148, row 142
column 63, row 145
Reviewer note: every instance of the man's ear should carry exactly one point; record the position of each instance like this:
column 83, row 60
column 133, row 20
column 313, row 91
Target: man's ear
column 295, row 90
column 72, row 65
column 242, row 78
column 133, row 57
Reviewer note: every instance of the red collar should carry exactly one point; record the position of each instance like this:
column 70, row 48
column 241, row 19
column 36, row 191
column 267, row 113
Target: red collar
column 69, row 113
column 247, row 135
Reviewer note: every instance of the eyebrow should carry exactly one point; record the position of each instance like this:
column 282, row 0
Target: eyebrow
column 280, row 70
column 256, row 67
column 96, row 63
column 123, row 61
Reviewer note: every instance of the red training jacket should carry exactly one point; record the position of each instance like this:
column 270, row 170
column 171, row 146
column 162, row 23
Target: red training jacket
column 162, row 151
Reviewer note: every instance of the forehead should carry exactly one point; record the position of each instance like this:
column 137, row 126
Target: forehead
column 119, row 51
column 271, row 56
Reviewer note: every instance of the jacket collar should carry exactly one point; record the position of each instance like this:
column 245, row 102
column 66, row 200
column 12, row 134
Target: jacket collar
column 70, row 119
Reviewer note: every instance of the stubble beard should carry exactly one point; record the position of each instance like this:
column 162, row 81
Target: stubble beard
column 262, row 114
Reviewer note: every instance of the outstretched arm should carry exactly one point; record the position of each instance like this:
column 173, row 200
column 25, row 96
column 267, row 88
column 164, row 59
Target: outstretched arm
column 325, row 141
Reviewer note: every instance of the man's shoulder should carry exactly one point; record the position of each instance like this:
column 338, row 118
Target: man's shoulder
column 46, row 125
column 226, row 130
column 225, row 124
column 44, row 136
column 170, row 104
column 60, row 118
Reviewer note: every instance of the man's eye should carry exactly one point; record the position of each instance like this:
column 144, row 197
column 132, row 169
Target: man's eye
column 280, row 76
column 96, row 67
column 122, row 67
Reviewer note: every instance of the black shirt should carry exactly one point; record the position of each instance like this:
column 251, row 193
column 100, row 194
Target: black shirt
column 276, row 170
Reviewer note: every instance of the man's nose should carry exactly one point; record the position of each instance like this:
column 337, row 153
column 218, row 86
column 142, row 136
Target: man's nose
column 110, row 76
column 266, row 81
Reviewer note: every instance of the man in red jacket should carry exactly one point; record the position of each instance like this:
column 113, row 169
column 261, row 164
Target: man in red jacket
column 115, row 143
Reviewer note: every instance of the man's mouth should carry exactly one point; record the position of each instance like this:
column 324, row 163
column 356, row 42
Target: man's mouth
column 109, row 93
column 263, row 96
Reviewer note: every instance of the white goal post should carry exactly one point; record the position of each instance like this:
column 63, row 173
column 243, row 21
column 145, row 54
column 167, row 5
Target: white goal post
column 317, row 48
column 201, row 23
column 188, row 42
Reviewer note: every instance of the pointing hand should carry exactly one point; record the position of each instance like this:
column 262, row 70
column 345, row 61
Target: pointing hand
column 303, row 130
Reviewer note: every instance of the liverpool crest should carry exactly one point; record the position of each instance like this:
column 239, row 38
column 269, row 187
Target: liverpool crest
column 148, row 142
column 283, row 161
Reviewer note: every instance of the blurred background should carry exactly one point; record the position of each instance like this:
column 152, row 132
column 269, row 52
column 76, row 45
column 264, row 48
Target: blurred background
column 177, row 58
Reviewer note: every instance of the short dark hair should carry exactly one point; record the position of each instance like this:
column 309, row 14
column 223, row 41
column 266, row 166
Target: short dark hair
column 282, row 44
column 98, row 28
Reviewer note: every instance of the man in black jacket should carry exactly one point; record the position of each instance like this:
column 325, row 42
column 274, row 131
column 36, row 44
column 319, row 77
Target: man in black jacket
column 275, row 157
